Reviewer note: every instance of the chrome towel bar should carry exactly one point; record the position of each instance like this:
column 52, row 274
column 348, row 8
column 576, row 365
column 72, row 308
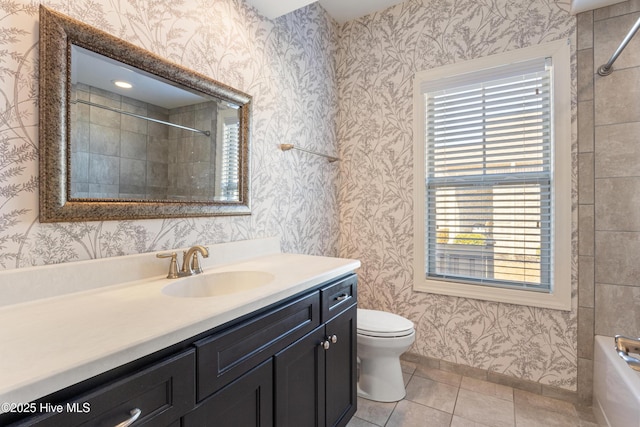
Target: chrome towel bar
column 287, row 147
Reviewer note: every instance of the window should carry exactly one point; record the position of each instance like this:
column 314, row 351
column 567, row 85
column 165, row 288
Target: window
column 230, row 159
column 493, row 179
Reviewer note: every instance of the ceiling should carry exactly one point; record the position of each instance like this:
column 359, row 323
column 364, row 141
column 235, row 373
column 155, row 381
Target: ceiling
column 341, row 10
column 346, row 10
column 578, row 6
column 99, row 71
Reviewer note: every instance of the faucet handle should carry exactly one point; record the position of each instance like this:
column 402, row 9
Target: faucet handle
column 173, row 266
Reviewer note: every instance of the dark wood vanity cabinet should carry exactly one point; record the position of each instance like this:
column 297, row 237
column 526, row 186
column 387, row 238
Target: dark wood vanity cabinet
column 315, row 378
column 289, row 365
column 309, row 346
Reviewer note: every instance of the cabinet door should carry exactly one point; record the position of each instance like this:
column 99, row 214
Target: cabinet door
column 299, row 382
column 340, row 365
column 246, row 402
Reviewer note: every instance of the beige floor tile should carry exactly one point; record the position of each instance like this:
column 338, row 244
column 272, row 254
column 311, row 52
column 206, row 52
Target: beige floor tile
column 525, row 398
column 586, row 415
column 374, row 412
column 446, row 377
column 407, row 367
column 410, row 414
column 530, row 416
column 485, row 387
column 440, row 398
column 406, row 378
column 357, row 422
column 432, row 393
column 484, row 409
column 457, row 421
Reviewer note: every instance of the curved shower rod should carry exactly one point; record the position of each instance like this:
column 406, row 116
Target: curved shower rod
column 607, row 69
column 139, row 116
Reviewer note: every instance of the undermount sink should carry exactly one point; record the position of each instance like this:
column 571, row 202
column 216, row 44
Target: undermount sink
column 217, row 284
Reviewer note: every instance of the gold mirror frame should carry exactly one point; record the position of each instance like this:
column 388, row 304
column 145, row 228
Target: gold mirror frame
column 58, row 33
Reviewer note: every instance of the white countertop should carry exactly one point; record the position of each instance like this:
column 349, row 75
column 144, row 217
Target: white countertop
column 49, row 344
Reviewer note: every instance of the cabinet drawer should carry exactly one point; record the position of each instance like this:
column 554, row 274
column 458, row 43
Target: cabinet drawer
column 223, row 357
column 338, row 296
column 163, row 393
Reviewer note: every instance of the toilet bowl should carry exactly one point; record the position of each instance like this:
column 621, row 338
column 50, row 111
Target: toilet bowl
column 382, row 338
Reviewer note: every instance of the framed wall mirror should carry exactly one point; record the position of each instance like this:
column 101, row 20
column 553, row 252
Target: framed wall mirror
column 125, row 134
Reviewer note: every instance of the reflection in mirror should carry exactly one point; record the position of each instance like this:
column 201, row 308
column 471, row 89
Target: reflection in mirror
column 136, row 136
column 125, row 134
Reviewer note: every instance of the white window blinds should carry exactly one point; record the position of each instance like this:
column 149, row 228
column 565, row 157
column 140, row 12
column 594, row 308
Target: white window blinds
column 230, row 159
column 489, row 204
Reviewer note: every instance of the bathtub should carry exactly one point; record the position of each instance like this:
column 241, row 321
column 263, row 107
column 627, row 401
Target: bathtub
column 616, row 387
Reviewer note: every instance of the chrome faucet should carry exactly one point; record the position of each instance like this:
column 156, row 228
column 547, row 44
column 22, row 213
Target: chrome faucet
column 626, row 345
column 190, row 262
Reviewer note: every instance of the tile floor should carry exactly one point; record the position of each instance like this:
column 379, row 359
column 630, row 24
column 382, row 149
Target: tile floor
column 438, row 398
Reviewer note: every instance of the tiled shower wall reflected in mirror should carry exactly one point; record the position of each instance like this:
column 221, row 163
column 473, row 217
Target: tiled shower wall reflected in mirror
column 120, row 156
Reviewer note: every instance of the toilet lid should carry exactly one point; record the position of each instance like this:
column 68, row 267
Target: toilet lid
column 382, row 324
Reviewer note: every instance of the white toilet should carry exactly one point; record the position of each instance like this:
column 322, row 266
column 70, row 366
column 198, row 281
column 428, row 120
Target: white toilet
column 382, row 338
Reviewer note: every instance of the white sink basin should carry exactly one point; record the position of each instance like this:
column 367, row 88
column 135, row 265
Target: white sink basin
column 217, row 284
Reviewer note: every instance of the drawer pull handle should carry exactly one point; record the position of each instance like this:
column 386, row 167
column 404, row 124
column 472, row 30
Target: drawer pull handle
column 135, row 414
column 342, row 297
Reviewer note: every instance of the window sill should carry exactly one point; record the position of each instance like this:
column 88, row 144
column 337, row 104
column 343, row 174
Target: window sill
column 555, row 300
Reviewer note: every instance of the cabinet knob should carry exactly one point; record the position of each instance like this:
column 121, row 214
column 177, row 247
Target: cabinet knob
column 325, row 344
column 135, row 414
column 334, row 339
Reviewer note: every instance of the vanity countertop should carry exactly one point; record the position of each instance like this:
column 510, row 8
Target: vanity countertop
column 49, row 344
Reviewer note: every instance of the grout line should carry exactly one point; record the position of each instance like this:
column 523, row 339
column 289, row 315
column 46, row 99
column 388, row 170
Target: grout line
column 391, row 414
column 453, row 411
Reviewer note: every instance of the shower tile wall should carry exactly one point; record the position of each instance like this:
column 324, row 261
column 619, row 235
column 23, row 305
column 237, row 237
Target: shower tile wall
column 191, row 170
column 120, row 156
column 609, row 177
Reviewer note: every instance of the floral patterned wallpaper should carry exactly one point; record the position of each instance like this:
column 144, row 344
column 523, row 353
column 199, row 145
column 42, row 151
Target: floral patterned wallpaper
column 377, row 59
column 287, row 65
column 323, row 87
